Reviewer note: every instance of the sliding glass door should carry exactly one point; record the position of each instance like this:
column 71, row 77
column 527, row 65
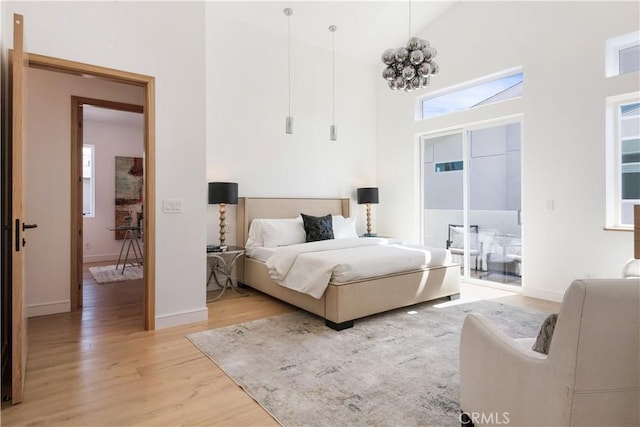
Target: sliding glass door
column 471, row 185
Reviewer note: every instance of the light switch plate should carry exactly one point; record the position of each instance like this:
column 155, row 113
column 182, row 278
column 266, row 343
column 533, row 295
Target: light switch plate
column 172, row 206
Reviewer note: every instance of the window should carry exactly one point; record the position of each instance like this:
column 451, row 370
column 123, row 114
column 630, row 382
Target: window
column 623, row 54
column 449, row 166
column 487, row 91
column 88, row 181
column 623, row 159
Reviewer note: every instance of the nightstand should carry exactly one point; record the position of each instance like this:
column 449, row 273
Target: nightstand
column 223, row 262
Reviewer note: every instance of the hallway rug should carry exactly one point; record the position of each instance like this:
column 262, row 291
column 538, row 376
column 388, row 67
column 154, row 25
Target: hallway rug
column 109, row 274
column 396, row 368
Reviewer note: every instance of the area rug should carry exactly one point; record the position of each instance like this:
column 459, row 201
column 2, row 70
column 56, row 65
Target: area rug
column 400, row 368
column 109, row 273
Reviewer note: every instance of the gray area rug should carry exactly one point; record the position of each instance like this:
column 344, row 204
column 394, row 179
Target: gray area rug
column 109, row 273
column 400, row 368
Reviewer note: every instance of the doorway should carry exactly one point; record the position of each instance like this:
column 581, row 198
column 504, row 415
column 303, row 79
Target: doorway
column 110, row 148
column 147, row 83
column 471, row 187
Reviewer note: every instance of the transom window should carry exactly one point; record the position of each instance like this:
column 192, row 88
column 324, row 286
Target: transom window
column 623, row 54
column 473, row 95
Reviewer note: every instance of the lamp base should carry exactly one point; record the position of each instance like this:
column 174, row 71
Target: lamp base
column 370, row 235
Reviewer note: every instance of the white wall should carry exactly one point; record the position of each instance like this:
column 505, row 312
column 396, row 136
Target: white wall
column 165, row 40
column 115, row 136
column 246, row 110
column 561, row 47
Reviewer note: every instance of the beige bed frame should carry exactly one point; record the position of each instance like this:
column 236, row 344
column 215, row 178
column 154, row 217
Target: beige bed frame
column 342, row 302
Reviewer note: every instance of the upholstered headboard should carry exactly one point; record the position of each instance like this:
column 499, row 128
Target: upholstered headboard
column 250, row 208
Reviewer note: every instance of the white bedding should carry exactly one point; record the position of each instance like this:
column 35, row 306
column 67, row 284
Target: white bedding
column 309, row 267
column 260, row 253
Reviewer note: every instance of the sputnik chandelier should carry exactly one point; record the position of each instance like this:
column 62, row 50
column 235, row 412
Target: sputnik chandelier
column 410, row 68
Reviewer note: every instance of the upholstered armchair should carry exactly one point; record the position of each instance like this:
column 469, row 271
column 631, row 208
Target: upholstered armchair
column 589, row 377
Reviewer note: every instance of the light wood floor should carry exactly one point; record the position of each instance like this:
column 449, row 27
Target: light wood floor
column 99, row 368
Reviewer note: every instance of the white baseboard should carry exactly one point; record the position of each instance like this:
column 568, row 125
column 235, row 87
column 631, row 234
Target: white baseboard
column 98, row 258
column 43, row 309
column 175, row 319
column 542, row 294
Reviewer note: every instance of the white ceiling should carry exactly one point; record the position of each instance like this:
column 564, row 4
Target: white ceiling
column 365, row 28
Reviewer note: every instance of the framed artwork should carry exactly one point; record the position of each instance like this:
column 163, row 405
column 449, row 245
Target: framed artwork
column 129, row 192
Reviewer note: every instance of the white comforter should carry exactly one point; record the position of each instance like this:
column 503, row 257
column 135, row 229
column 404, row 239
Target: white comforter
column 309, row 267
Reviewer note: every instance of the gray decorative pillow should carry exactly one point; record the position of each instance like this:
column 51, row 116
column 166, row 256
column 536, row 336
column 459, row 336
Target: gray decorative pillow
column 318, row 227
column 543, row 342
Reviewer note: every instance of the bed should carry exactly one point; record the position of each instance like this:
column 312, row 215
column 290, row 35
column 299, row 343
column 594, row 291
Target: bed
column 342, row 302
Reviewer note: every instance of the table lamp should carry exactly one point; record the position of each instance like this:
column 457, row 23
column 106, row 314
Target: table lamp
column 223, row 193
column 368, row 196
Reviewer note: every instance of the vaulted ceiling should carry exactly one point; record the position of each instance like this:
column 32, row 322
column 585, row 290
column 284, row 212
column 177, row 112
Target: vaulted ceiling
column 365, row 28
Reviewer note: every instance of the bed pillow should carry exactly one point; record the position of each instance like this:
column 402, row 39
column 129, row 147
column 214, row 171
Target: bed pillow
column 254, row 239
column 317, row 227
column 344, row 228
column 271, row 233
column 283, row 232
column 543, row 342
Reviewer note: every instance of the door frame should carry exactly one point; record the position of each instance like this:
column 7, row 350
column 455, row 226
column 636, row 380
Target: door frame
column 148, row 84
column 77, row 223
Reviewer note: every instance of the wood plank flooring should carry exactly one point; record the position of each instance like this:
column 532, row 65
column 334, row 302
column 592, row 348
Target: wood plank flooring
column 98, row 367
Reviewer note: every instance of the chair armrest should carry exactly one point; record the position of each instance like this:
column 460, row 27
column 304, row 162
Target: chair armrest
column 499, row 375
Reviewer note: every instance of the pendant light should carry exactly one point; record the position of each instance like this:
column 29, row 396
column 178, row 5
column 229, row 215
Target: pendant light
column 289, row 121
column 333, row 132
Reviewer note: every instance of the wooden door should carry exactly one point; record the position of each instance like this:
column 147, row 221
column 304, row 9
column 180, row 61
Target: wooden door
column 19, row 324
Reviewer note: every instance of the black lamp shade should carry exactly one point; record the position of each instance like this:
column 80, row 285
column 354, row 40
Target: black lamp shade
column 223, row 192
column 367, row 195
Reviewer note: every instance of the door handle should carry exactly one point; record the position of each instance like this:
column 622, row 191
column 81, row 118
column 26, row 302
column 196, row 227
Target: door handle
column 17, row 231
